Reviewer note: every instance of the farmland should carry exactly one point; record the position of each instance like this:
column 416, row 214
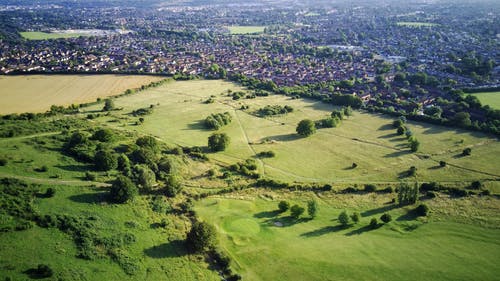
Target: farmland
column 144, row 238
column 43, row 91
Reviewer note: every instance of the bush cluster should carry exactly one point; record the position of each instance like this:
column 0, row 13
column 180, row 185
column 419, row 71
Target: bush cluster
column 270, row 110
column 218, row 120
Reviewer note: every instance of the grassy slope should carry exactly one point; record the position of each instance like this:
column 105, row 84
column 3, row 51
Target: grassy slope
column 320, row 250
column 178, row 120
column 159, row 251
column 489, row 98
column 42, row 91
column 37, row 35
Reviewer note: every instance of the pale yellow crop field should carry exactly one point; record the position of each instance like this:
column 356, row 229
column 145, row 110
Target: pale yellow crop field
column 36, row 93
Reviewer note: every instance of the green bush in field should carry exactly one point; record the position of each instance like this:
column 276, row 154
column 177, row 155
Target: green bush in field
column 306, row 128
column 343, row 218
column 355, row 217
column 422, row 210
column 386, row 218
column 296, row 211
column 312, row 208
column 283, row 206
column 122, row 190
column 218, row 142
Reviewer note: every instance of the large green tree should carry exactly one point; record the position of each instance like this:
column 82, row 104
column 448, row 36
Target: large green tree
column 201, row 237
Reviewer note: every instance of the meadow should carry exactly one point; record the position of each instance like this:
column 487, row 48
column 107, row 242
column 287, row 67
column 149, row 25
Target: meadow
column 366, row 139
column 267, row 245
column 489, row 98
column 36, row 93
column 240, row 29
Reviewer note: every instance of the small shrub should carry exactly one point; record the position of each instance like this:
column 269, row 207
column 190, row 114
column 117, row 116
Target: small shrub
column 442, row 164
column 455, row 191
column 350, row 189
column 386, row 218
column 373, row 223
column 354, row 166
column 370, row 188
column 283, row 206
column 467, row 151
column 296, row 211
column 388, row 189
column 3, row 161
column 412, row 171
column 343, row 218
column 42, row 271
column 422, row 210
column 50, row 192
column 476, row 185
column 355, row 217
column 42, row 169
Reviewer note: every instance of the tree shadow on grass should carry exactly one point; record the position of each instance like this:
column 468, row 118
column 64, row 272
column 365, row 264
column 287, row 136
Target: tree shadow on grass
column 409, row 216
column 323, row 231
column 75, row 168
column 360, row 230
column 389, row 136
column 386, row 127
column 286, row 137
column 267, row 214
column 379, row 210
column 285, row 221
column 397, row 153
column 172, row 249
column 89, row 198
column 197, row 125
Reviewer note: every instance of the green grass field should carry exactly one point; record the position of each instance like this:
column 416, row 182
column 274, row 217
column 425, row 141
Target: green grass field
column 37, row 35
column 489, row 98
column 416, row 24
column 325, row 156
column 42, row 91
column 266, row 245
column 240, row 29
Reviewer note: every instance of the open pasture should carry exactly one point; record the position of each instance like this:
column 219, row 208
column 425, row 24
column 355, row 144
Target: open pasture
column 36, row 93
column 369, row 140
